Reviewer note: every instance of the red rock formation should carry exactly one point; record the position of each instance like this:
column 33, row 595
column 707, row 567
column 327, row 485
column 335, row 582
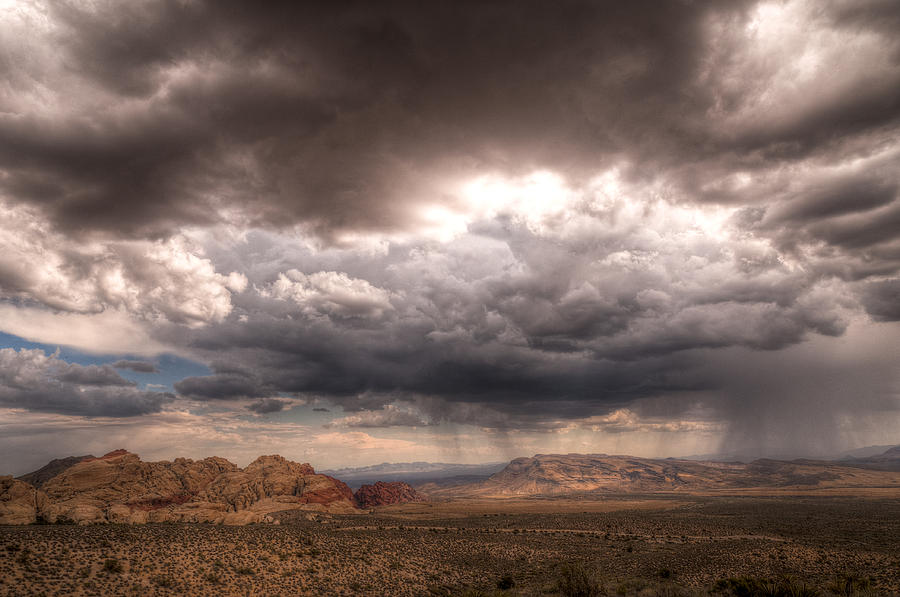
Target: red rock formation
column 382, row 494
column 120, row 487
column 334, row 491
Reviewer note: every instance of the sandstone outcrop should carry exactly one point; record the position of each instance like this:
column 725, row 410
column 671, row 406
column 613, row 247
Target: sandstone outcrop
column 120, row 487
column 19, row 501
column 383, row 494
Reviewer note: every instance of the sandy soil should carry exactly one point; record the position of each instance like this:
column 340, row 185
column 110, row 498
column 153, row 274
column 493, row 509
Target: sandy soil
column 644, row 545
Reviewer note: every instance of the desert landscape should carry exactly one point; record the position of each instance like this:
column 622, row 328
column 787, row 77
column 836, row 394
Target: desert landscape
column 506, row 298
column 571, row 524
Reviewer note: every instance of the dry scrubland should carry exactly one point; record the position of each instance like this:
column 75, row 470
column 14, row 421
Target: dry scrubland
column 651, row 545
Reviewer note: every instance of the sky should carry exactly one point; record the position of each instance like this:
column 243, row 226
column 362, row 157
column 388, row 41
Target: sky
column 357, row 232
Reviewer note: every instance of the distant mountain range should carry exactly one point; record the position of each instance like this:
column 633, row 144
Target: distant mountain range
column 560, row 474
column 856, row 453
column 120, row 487
column 415, row 472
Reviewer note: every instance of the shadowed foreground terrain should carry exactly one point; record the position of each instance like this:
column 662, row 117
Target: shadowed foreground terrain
column 669, row 545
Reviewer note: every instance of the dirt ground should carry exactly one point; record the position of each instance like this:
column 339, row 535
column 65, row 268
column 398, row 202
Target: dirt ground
column 642, row 545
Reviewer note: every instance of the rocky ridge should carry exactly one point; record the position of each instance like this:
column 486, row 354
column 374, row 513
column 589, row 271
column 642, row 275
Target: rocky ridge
column 560, row 474
column 120, row 487
column 51, row 469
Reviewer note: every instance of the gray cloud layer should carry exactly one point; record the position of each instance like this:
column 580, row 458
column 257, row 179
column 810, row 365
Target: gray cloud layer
column 342, row 115
column 373, row 168
column 136, row 366
column 35, row 381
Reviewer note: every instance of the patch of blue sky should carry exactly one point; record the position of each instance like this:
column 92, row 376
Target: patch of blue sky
column 171, row 368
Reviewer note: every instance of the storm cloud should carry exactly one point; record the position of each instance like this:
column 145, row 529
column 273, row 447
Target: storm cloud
column 506, row 215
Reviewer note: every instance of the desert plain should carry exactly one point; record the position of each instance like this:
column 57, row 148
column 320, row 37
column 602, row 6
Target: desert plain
column 730, row 543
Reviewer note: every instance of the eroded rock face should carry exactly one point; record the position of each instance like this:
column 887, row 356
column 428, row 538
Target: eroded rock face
column 120, row 487
column 19, row 501
column 382, row 494
column 272, row 483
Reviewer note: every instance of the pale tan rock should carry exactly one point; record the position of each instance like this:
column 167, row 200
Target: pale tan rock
column 118, row 513
column 19, row 501
column 289, row 483
column 242, row 518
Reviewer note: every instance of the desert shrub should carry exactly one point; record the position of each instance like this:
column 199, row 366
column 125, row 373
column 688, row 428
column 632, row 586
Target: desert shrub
column 506, row 582
column 577, row 581
column 112, row 565
column 850, row 585
column 23, row 556
column 212, row 578
column 244, row 570
column 746, row 586
column 167, row 582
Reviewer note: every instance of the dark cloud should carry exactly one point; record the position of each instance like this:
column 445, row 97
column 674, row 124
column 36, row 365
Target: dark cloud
column 91, row 375
column 221, row 386
column 136, row 366
column 882, row 299
column 840, row 197
column 503, row 214
column 35, row 381
column 338, row 115
column 267, row 405
column 521, row 320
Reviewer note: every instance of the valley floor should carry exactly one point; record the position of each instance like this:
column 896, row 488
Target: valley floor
column 651, row 545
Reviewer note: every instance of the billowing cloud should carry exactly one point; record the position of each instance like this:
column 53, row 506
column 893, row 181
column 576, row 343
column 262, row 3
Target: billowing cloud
column 346, row 118
column 35, row 381
column 511, row 216
column 330, row 293
column 148, row 280
column 579, row 299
